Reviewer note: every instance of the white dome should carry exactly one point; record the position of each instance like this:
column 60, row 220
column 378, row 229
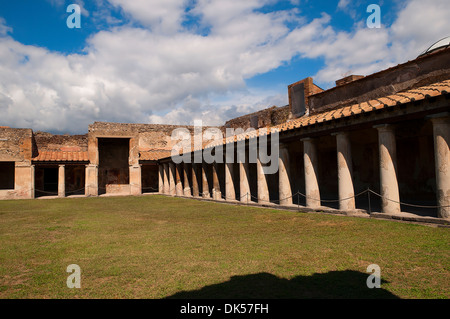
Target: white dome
column 443, row 43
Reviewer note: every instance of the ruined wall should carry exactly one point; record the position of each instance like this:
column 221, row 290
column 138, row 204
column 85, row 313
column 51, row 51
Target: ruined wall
column 264, row 118
column 50, row 142
column 428, row 69
column 16, row 146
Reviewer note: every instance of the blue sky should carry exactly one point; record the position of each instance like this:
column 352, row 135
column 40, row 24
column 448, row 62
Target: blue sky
column 173, row 61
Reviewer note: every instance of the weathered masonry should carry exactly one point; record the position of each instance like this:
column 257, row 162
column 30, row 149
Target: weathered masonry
column 378, row 143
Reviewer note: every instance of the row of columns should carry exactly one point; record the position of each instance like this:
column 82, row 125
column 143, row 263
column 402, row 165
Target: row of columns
column 171, row 182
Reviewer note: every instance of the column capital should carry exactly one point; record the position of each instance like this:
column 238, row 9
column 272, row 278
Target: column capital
column 343, row 133
column 384, row 127
column 306, row 139
column 440, row 118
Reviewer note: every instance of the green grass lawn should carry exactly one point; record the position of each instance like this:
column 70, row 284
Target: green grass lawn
column 161, row 247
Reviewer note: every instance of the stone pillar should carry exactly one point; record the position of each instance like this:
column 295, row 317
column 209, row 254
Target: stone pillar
column 263, row 189
column 135, row 179
column 388, row 169
column 195, row 188
column 178, row 184
column 24, row 181
column 230, row 192
column 345, row 172
column 244, row 186
column 33, row 182
column 161, row 178
column 91, row 180
column 217, row 194
column 172, row 189
column 187, row 188
column 166, row 178
column 284, row 184
column 61, row 181
column 441, row 133
column 205, row 185
column 311, row 173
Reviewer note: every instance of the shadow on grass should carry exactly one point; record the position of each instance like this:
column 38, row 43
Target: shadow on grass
column 335, row 284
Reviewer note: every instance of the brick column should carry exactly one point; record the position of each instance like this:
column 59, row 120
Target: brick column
column 172, row 189
column 217, row 194
column 441, row 133
column 345, row 172
column 91, row 180
column 24, row 180
column 135, row 179
column 61, row 181
column 166, row 178
column 161, row 178
column 205, row 185
column 284, row 184
column 311, row 173
column 33, row 182
column 195, row 188
column 178, row 184
column 230, row 192
column 244, row 186
column 263, row 190
column 388, row 169
column 187, row 188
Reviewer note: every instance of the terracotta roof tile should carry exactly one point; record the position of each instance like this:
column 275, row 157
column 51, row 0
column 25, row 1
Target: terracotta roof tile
column 393, row 100
column 153, row 155
column 62, row 156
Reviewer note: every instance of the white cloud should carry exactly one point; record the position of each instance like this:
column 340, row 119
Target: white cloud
column 343, row 4
column 131, row 74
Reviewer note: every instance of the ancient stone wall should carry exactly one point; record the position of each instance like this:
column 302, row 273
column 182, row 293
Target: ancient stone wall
column 50, row 142
column 265, row 118
column 428, row 69
column 16, row 148
column 16, row 145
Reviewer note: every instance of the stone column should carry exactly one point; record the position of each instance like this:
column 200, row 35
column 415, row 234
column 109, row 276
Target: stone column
column 263, row 189
column 388, row 169
column 230, row 192
column 24, row 180
column 345, row 172
column 284, row 184
column 195, row 188
column 91, row 180
column 172, row 189
column 441, row 132
column 135, row 180
column 166, row 179
column 61, row 181
column 205, row 185
column 33, row 182
column 178, row 185
column 244, row 186
column 311, row 173
column 217, row 194
column 187, row 188
column 161, row 178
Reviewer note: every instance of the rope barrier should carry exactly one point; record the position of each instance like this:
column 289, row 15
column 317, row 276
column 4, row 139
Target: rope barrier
column 406, row 204
column 248, row 195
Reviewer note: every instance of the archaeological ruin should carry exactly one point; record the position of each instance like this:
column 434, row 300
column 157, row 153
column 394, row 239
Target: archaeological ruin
column 376, row 143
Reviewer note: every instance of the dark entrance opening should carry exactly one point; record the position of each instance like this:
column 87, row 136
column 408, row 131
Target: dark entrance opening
column 75, row 179
column 7, row 171
column 150, row 177
column 46, row 181
column 114, row 168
